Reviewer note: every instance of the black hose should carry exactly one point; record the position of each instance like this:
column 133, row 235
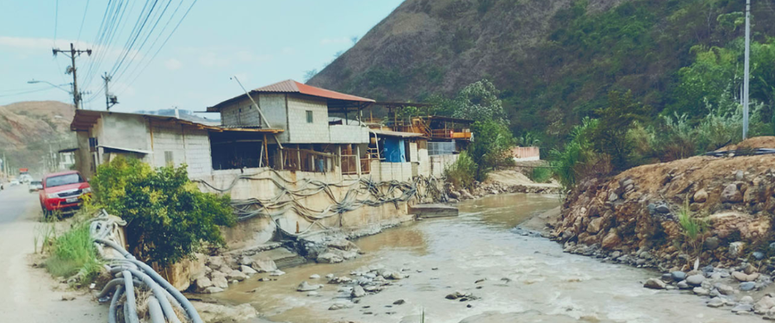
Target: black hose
column 131, row 302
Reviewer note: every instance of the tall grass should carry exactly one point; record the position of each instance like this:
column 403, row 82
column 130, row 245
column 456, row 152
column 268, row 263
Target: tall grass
column 541, row 174
column 462, row 173
column 693, row 228
column 571, row 163
column 73, row 253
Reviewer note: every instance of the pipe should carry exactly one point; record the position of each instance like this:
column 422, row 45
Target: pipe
column 157, row 291
column 155, row 311
column 190, row 310
column 112, row 310
column 131, row 302
column 112, row 284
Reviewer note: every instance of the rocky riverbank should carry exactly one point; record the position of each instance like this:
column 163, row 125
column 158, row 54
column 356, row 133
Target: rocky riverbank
column 500, row 182
column 635, row 217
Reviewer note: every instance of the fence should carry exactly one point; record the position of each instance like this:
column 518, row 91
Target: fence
column 306, row 160
column 441, row 148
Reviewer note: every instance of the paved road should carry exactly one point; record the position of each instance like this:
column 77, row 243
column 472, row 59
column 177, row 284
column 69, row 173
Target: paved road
column 28, row 294
column 15, row 201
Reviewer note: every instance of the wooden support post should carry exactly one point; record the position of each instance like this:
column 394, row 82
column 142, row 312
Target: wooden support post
column 266, row 152
column 339, row 159
column 298, row 157
column 282, row 160
column 358, row 160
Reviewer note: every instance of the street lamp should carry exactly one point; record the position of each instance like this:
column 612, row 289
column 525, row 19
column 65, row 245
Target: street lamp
column 52, row 84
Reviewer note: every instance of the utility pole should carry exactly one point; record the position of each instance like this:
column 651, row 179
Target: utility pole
column 73, row 53
column 110, row 100
column 747, row 66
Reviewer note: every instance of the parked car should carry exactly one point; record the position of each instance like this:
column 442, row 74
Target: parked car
column 63, row 192
column 14, row 182
column 35, row 186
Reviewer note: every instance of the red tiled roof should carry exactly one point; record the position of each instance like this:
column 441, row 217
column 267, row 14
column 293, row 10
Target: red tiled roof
column 291, row 86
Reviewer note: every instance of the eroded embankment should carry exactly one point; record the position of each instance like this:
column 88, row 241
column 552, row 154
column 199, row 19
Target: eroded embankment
column 638, row 210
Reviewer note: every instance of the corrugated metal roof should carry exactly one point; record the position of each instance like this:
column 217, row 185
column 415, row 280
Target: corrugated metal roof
column 291, row 86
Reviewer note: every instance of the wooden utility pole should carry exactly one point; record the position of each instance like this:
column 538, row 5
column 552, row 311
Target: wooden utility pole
column 73, row 53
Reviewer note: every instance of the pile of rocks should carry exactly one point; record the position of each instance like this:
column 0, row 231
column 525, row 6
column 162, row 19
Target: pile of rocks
column 483, row 189
column 722, row 287
column 220, row 271
column 639, row 210
column 360, row 283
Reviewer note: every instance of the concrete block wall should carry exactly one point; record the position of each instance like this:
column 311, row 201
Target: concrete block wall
column 384, row 171
column 440, row 162
column 167, row 137
column 348, row 134
column 275, row 111
column 243, row 113
column 198, row 156
column 298, row 129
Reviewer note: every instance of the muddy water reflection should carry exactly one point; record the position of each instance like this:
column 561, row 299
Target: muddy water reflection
column 542, row 283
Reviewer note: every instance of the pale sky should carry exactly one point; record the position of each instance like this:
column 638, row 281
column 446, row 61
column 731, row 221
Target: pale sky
column 260, row 41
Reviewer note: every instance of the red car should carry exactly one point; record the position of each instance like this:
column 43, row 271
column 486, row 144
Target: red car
column 62, row 192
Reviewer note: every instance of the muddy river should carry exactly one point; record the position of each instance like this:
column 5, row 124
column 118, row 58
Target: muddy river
column 525, row 279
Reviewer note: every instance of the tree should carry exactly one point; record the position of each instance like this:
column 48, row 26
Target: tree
column 167, row 217
column 479, row 102
column 615, row 120
column 491, row 146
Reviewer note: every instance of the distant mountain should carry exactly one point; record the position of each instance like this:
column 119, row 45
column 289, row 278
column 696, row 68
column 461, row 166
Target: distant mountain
column 30, row 130
column 553, row 60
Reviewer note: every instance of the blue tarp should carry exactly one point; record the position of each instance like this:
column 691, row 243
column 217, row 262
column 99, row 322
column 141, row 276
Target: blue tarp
column 393, row 150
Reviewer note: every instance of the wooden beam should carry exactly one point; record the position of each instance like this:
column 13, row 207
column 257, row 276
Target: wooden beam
column 266, row 152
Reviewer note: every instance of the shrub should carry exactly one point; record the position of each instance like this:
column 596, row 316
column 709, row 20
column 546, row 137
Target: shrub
column 168, row 218
column 616, row 119
column 461, row 173
column 73, row 252
column 541, row 174
column 572, row 162
column 491, row 147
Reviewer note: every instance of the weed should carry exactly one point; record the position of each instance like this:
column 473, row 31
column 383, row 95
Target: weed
column 694, row 229
column 73, row 253
column 541, row 174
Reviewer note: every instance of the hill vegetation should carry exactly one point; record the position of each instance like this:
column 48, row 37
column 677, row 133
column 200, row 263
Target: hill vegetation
column 556, row 61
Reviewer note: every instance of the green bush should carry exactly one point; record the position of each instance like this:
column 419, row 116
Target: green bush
column 572, row 162
column 491, row 147
column 168, row 218
column 74, row 252
column 461, row 173
column 541, row 174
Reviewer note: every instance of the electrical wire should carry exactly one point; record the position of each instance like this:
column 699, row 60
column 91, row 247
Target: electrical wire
column 80, row 29
column 160, row 47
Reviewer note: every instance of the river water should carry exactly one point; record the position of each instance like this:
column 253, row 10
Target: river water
column 526, row 279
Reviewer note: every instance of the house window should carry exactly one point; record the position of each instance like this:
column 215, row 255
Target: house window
column 168, row 160
column 309, row 116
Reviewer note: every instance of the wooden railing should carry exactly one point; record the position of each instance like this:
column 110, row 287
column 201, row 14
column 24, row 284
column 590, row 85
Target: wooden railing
column 306, row 160
column 349, row 166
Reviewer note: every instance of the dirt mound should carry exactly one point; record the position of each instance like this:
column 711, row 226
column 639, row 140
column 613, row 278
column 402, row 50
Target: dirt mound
column 752, row 143
column 638, row 209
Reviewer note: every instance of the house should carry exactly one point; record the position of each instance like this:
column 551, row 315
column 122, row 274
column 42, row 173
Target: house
column 157, row 140
column 312, row 139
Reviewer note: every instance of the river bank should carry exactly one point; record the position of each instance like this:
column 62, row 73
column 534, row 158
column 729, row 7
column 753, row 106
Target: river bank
column 508, row 276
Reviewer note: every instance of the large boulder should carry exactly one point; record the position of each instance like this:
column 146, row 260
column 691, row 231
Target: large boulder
column 263, row 265
column 611, row 240
column 731, row 194
column 219, row 280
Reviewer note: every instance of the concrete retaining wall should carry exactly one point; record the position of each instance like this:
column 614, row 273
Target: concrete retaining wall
column 262, row 186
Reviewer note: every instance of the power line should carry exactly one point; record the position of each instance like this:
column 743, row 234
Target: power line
column 147, row 36
column 25, row 92
column 131, row 41
column 160, row 47
column 85, row 10
column 56, row 20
